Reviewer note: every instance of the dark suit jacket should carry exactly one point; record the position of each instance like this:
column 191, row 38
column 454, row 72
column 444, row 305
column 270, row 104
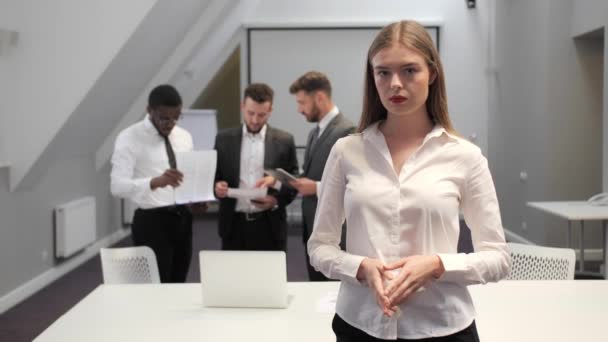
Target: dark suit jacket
column 279, row 151
column 314, row 163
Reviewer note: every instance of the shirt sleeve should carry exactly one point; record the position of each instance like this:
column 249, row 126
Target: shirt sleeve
column 491, row 260
column 189, row 142
column 122, row 183
column 324, row 243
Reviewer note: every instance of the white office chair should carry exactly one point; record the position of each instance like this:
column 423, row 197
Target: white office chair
column 531, row 262
column 130, row 265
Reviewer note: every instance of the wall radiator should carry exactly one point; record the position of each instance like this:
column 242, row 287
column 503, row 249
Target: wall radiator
column 75, row 226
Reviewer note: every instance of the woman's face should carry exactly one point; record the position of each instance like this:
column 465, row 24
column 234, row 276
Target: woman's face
column 402, row 79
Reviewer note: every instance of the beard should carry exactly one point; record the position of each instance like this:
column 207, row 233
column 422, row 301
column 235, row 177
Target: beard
column 251, row 130
column 315, row 113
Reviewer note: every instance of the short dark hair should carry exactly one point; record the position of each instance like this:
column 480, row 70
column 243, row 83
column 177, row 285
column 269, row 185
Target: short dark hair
column 259, row 92
column 310, row 82
column 164, row 95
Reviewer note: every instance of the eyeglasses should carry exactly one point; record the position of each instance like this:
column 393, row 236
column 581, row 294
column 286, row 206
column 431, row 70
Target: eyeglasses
column 164, row 115
column 164, row 120
column 167, row 120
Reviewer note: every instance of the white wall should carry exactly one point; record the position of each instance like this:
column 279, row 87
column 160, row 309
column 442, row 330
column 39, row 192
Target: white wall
column 63, row 47
column 463, row 37
column 26, row 228
column 55, row 39
column 588, row 15
column 592, row 16
column 4, row 70
column 193, row 63
column 7, row 22
column 85, row 63
column 547, row 122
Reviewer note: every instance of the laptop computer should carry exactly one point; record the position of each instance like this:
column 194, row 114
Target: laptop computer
column 244, row 279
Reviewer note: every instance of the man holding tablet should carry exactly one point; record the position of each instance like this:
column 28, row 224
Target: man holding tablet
column 313, row 96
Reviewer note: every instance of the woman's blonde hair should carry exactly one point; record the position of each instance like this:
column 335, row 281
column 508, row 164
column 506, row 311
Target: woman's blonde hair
column 411, row 35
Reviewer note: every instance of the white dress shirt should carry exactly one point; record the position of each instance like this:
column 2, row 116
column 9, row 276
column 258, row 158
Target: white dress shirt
column 140, row 155
column 322, row 125
column 252, row 165
column 392, row 216
column 327, row 119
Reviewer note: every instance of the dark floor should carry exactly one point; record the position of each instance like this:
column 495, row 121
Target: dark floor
column 28, row 319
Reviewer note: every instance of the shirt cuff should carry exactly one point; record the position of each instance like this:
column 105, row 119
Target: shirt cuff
column 277, row 185
column 318, row 188
column 350, row 267
column 453, row 265
column 142, row 187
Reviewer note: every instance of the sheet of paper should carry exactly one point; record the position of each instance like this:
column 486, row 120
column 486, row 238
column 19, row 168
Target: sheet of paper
column 198, row 168
column 247, row 193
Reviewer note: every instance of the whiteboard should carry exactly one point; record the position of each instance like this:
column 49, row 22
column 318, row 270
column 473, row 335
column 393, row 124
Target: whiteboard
column 278, row 56
column 202, row 125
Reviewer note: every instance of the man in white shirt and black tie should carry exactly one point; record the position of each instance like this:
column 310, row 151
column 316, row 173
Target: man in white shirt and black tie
column 144, row 170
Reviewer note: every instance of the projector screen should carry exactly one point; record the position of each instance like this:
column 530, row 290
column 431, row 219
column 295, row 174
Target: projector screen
column 278, row 56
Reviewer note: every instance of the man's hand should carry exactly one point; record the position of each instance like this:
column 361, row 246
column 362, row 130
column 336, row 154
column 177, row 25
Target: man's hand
column 372, row 272
column 221, row 189
column 305, row 186
column 171, row 177
column 416, row 271
column 266, row 182
column 264, row 203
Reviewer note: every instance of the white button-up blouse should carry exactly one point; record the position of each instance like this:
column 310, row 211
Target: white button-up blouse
column 392, row 216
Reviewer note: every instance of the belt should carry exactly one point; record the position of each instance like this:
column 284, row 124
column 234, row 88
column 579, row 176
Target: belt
column 176, row 209
column 251, row 216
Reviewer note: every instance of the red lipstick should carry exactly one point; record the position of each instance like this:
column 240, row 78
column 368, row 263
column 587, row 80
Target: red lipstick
column 397, row 99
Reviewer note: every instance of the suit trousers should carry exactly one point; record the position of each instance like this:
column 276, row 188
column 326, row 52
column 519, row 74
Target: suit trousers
column 347, row 333
column 253, row 233
column 168, row 231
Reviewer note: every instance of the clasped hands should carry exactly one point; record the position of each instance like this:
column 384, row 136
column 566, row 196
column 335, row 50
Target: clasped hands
column 390, row 289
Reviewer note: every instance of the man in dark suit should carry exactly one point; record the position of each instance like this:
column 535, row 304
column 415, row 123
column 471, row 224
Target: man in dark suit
column 243, row 153
column 313, row 96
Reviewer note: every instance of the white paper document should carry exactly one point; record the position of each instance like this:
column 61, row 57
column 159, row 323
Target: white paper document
column 198, row 168
column 247, row 193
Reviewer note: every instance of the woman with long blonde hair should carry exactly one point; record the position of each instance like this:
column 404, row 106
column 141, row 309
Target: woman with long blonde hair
column 400, row 183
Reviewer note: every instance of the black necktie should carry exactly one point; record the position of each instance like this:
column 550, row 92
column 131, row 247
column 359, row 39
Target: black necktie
column 312, row 140
column 170, row 153
column 315, row 137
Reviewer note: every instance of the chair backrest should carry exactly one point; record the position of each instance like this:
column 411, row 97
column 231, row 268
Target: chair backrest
column 129, row 265
column 531, row 262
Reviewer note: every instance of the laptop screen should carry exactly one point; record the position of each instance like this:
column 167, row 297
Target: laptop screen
column 244, row 279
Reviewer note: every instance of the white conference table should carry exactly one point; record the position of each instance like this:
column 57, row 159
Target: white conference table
column 578, row 211
column 556, row 311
